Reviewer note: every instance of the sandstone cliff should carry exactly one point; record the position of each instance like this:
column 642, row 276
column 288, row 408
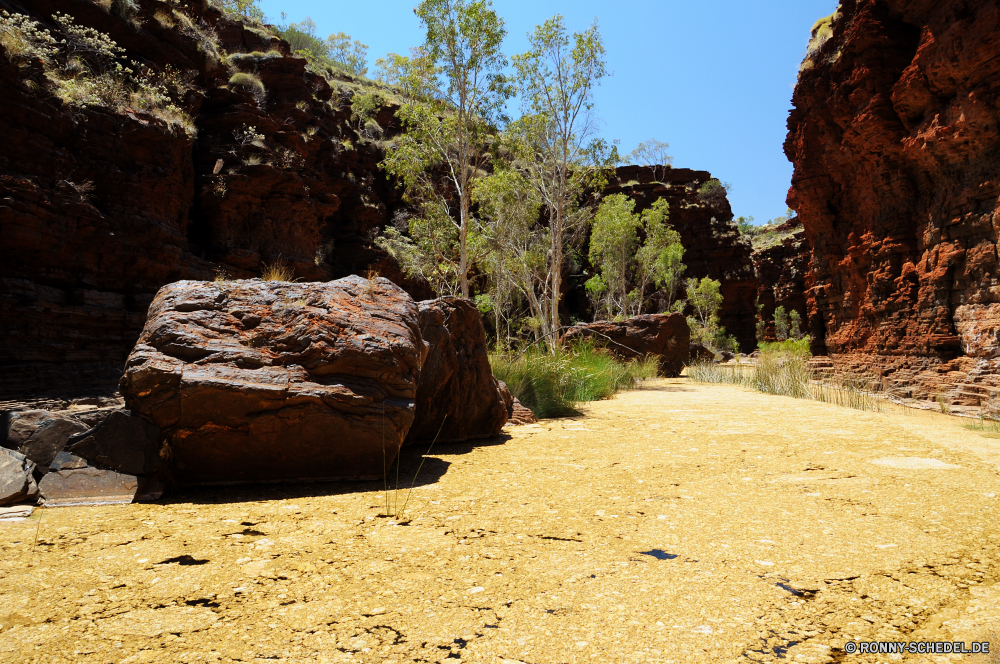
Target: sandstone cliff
column 713, row 246
column 100, row 206
column 896, row 146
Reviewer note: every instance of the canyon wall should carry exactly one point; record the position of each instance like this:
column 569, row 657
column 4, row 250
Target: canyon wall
column 781, row 263
column 713, row 246
column 101, row 206
column 896, row 146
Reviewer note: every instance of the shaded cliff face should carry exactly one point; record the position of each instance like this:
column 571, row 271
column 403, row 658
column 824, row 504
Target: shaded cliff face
column 100, row 207
column 781, row 263
column 712, row 243
column 896, row 146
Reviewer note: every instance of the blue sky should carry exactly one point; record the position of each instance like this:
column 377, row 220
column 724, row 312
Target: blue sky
column 712, row 78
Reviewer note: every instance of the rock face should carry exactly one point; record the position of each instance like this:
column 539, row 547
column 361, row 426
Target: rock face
column 894, row 137
column 86, row 486
column 457, row 393
column 38, row 434
column 664, row 336
column 781, row 263
column 100, row 207
column 122, row 442
column 713, row 246
column 17, row 480
column 254, row 380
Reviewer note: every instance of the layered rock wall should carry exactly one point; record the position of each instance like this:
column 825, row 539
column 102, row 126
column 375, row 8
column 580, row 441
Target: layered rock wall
column 781, row 264
column 712, row 243
column 100, row 207
column 895, row 141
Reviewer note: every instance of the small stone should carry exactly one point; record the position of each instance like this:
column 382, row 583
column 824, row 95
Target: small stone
column 38, row 434
column 67, row 461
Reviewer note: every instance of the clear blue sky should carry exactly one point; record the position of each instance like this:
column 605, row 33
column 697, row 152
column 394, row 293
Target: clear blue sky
column 712, row 78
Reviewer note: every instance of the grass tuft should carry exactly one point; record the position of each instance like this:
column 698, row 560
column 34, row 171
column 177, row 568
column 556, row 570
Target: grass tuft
column 551, row 384
column 277, row 271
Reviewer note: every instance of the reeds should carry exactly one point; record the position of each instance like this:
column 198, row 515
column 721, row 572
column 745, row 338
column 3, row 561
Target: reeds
column 551, row 384
column 788, row 374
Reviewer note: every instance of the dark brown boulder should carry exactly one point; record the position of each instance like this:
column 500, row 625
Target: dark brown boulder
column 700, row 353
column 665, row 336
column 38, row 434
column 256, row 381
column 457, row 393
column 122, row 442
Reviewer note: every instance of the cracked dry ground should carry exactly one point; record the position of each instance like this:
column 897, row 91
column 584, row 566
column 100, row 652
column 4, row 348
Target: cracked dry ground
column 676, row 523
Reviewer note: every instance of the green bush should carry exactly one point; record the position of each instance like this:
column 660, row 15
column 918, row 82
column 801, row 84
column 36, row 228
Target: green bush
column 250, row 83
column 551, row 384
column 792, row 346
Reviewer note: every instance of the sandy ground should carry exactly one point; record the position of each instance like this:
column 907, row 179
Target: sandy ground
column 677, row 523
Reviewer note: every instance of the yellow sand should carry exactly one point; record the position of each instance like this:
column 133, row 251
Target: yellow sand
column 775, row 528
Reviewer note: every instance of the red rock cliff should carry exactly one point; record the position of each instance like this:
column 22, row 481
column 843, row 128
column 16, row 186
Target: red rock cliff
column 712, row 243
column 100, row 207
column 895, row 141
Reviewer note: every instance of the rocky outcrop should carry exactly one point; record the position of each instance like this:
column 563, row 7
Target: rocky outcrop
column 17, row 481
column 895, row 141
column 100, row 207
column 123, row 442
column 255, row 380
column 781, row 263
column 663, row 336
column 38, row 434
column 713, row 246
column 457, row 396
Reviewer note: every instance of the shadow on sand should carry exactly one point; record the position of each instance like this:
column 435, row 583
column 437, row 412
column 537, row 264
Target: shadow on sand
column 411, row 459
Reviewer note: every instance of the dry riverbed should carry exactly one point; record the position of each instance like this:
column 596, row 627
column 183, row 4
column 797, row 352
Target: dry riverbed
column 677, row 523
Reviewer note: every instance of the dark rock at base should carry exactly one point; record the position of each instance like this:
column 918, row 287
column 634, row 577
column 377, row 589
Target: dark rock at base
column 700, row 353
column 67, row 461
column 665, row 336
column 457, row 394
column 517, row 413
column 17, row 481
column 260, row 381
column 38, row 434
column 86, row 486
column 122, row 442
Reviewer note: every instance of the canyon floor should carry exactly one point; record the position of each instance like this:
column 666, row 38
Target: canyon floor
column 679, row 522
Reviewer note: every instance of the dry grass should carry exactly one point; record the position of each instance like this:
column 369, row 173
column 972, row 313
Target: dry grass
column 277, row 271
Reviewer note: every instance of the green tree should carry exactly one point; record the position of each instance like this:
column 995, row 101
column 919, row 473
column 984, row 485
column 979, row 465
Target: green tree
column 516, row 266
column 780, row 323
column 744, row 225
column 459, row 92
column 705, row 298
column 352, row 55
column 653, row 154
column 247, row 10
column 795, row 324
column 556, row 79
column 614, row 238
column 659, row 258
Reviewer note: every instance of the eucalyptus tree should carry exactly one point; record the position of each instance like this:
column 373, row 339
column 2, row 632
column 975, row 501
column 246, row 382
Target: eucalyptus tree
column 556, row 78
column 659, row 260
column 614, row 238
column 458, row 99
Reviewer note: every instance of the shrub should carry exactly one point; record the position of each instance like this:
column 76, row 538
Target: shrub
column 251, row 83
column 713, row 193
column 24, row 39
column 550, row 384
column 780, row 323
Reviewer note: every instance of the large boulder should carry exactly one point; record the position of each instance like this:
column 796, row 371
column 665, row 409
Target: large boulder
column 17, row 480
column 256, row 380
column 122, row 442
column 457, row 394
column 38, row 434
column 664, row 336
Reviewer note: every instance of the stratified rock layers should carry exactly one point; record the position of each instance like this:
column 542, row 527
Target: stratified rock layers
column 713, row 246
column 895, row 141
column 255, row 380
